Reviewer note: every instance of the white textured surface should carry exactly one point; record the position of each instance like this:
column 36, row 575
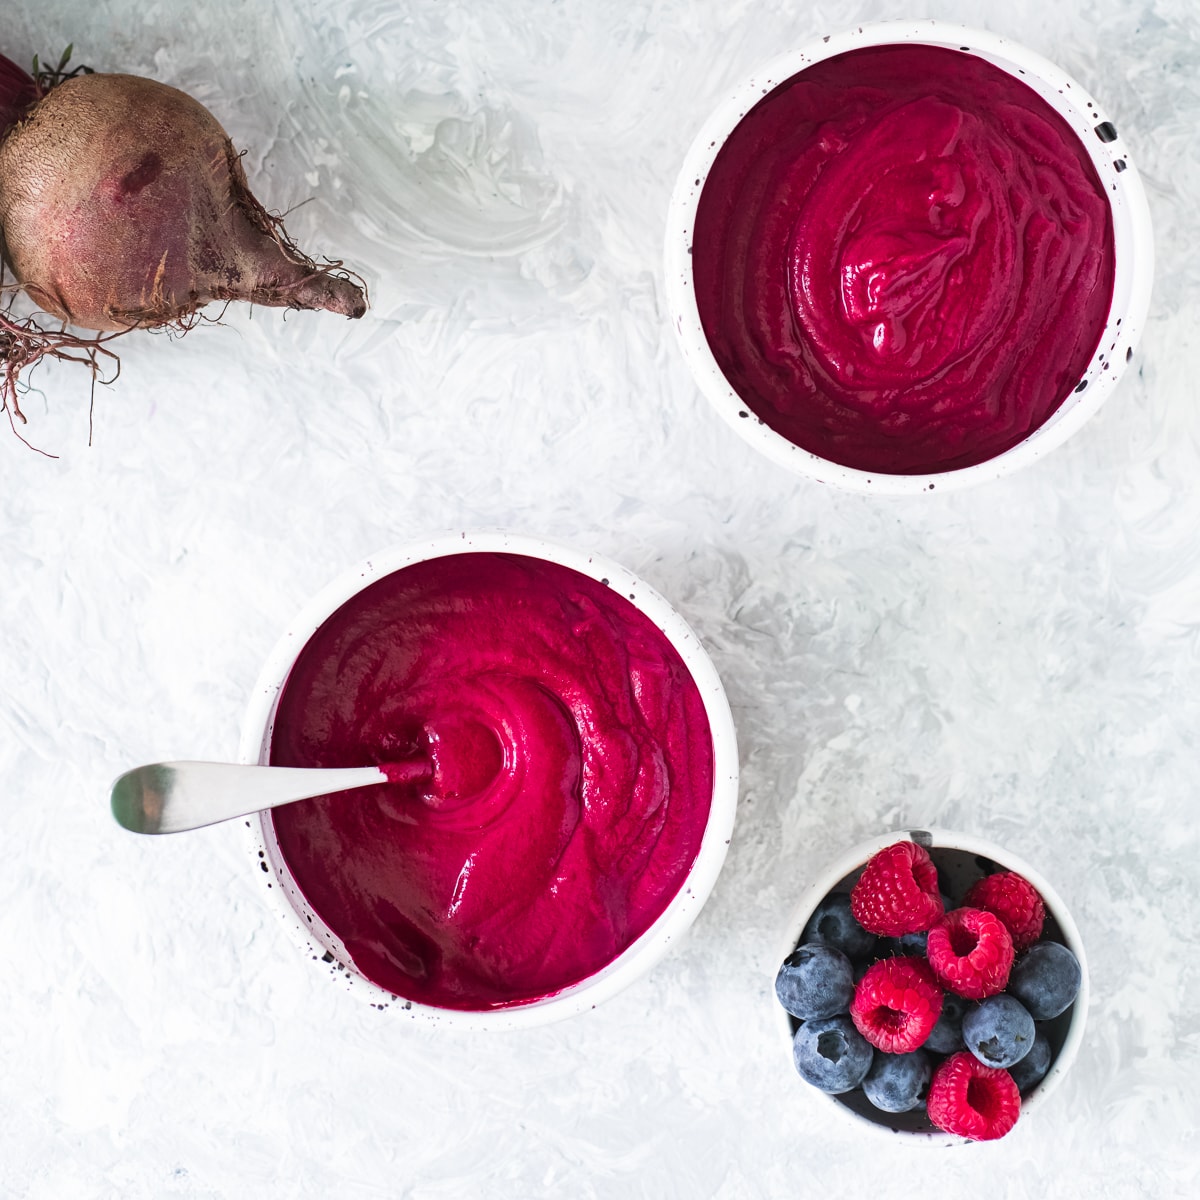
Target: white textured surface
column 1021, row 662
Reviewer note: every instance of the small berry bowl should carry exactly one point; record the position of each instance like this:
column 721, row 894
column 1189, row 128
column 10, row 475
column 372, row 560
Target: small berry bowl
column 932, row 986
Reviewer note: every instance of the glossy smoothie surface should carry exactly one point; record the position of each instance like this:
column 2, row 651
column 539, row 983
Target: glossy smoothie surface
column 903, row 259
column 570, row 775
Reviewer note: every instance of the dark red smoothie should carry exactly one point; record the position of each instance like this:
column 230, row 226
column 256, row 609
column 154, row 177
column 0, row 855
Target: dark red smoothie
column 903, row 259
column 569, row 784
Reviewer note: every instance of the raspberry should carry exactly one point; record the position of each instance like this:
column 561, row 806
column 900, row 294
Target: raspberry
column 1015, row 901
column 971, row 1100
column 896, row 1004
column 897, row 892
column 971, row 953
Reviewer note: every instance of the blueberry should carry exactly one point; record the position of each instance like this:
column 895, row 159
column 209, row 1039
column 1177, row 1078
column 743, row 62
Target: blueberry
column 898, row 1082
column 815, row 981
column 1046, row 979
column 833, row 923
column 831, row 1054
column 1033, row 1067
column 998, row 1031
column 906, row 943
column 946, row 1036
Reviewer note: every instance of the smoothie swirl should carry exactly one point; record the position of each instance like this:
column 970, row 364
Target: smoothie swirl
column 568, row 784
column 903, row 259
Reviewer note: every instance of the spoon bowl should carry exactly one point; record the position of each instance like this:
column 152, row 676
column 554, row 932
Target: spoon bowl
column 322, row 945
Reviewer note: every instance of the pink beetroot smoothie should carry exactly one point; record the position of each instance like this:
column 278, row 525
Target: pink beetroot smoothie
column 570, row 774
column 903, row 259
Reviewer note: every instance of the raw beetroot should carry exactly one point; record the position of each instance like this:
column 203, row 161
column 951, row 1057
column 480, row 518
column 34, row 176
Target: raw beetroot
column 123, row 205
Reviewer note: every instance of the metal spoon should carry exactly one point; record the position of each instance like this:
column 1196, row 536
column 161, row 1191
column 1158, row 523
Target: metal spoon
column 172, row 796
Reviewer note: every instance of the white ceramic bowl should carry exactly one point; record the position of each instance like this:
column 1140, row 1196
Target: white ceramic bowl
column 958, row 869
column 1133, row 241
column 314, row 937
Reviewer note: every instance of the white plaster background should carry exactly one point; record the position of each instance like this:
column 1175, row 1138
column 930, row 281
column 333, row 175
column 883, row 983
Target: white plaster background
column 1021, row 661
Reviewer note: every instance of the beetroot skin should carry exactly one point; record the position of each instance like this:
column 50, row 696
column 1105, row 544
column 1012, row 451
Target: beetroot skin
column 124, row 205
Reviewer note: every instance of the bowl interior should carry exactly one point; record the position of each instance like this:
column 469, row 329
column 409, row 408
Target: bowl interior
column 313, row 935
column 1133, row 241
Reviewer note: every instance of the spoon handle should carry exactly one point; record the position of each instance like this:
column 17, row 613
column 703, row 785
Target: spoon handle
column 173, row 796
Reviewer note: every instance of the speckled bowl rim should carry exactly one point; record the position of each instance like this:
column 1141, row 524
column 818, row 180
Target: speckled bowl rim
column 310, row 933
column 1133, row 241
column 936, row 839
